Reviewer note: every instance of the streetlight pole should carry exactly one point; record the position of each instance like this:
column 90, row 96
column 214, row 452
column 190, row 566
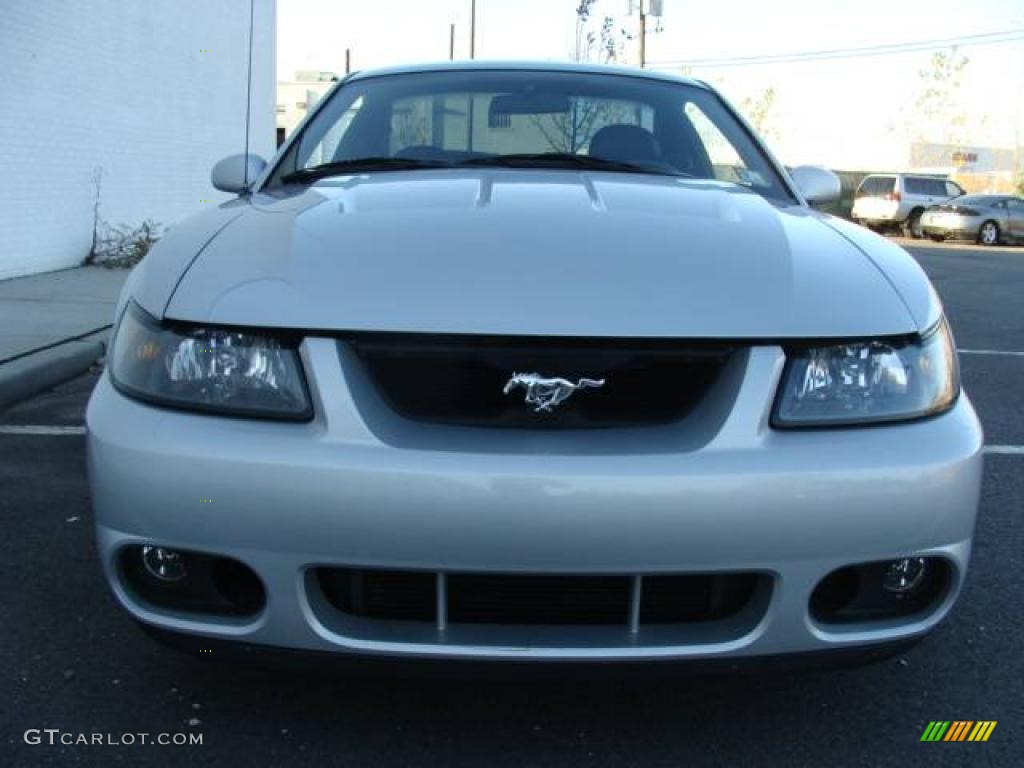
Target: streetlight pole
column 472, row 29
column 451, row 42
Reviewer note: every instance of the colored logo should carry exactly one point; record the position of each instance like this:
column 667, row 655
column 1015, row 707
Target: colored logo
column 959, row 730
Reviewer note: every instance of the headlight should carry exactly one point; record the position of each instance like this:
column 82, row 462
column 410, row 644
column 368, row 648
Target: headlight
column 224, row 371
column 875, row 381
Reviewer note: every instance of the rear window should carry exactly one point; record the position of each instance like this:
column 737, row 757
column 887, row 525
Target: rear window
column 917, row 185
column 876, row 186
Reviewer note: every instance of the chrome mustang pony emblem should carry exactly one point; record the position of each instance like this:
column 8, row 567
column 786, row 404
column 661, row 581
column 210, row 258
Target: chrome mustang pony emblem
column 544, row 394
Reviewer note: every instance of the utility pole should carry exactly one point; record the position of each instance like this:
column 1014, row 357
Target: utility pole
column 643, row 35
column 451, row 42
column 348, row 60
column 654, row 9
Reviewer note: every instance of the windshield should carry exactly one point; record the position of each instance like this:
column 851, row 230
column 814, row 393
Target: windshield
column 528, row 119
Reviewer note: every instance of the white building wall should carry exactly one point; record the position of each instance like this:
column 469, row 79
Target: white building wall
column 150, row 92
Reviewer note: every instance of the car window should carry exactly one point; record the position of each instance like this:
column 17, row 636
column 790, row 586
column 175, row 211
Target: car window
column 953, row 190
column 726, row 163
column 918, row 185
column 876, row 186
column 472, row 117
column 323, row 151
column 984, row 201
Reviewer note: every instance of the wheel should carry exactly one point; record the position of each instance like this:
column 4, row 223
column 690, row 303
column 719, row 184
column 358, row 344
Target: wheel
column 937, row 238
column 912, row 226
column 989, row 233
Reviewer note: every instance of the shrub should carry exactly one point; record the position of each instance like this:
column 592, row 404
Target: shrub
column 123, row 246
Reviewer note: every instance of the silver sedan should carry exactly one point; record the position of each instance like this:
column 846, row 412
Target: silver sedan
column 987, row 219
column 536, row 363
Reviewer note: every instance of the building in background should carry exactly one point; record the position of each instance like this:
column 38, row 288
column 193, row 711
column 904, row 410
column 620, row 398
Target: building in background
column 978, row 169
column 296, row 97
column 128, row 104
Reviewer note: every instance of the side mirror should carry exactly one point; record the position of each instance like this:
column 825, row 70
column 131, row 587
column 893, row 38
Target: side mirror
column 818, row 185
column 235, row 173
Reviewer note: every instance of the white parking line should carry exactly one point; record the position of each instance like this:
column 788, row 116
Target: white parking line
column 1005, row 450
column 1002, row 352
column 34, row 429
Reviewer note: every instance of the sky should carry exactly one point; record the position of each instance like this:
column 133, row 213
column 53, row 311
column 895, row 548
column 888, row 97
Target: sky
column 853, row 113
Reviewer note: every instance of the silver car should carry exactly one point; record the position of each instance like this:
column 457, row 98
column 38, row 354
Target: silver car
column 987, row 219
column 532, row 362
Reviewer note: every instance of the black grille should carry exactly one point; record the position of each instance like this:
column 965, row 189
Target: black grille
column 694, row 597
column 408, row 595
column 460, row 380
column 529, row 599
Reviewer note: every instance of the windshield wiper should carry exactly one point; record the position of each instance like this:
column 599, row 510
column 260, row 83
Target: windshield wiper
column 358, row 165
column 566, row 160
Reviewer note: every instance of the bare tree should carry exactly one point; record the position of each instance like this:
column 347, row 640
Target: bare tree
column 582, row 17
column 97, row 185
column 758, row 112
column 410, row 126
column 604, row 44
column 570, row 131
column 938, row 113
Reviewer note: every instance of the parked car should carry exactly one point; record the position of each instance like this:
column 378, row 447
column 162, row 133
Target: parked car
column 987, row 219
column 897, row 200
column 464, row 375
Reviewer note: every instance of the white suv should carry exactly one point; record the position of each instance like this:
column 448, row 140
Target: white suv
column 899, row 199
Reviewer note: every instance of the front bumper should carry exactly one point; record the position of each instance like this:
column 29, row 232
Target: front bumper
column 286, row 497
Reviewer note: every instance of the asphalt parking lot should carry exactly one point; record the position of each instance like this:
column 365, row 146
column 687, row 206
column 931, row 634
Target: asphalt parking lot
column 72, row 660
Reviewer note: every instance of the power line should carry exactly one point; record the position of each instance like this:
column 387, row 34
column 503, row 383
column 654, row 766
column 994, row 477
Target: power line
column 987, row 38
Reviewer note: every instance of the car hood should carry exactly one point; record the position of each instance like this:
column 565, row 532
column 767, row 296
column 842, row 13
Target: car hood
column 537, row 253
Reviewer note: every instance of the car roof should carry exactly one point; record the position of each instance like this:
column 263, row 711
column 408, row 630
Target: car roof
column 527, row 66
column 902, row 175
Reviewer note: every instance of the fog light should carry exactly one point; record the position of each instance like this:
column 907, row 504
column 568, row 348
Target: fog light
column 163, row 564
column 906, row 575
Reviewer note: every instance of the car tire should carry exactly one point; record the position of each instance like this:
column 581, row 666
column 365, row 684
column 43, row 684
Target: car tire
column 938, row 238
column 912, row 226
column 988, row 233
